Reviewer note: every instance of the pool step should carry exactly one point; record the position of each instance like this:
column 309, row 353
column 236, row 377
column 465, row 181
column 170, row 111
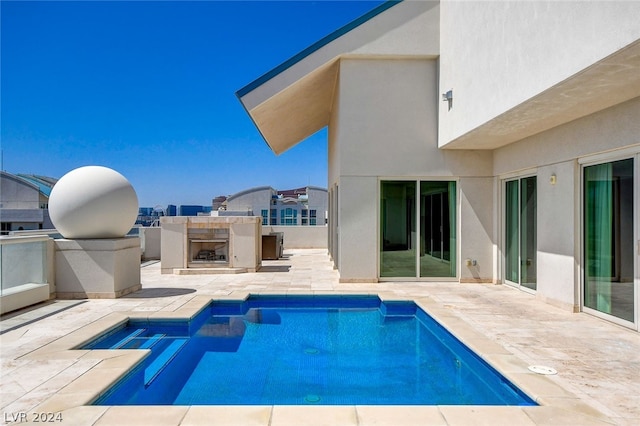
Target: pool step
column 148, row 343
column 128, row 338
column 165, row 357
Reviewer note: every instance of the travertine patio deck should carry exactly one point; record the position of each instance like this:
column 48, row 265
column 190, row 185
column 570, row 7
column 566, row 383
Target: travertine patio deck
column 598, row 363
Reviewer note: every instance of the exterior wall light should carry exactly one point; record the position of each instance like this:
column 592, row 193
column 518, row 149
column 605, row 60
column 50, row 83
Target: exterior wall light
column 553, row 179
column 448, row 97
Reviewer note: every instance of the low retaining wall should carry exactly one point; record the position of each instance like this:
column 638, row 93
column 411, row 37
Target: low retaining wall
column 150, row 242
column 301, row 237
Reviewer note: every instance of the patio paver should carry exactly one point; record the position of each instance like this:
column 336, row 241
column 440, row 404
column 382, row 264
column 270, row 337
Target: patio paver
column 598, row 362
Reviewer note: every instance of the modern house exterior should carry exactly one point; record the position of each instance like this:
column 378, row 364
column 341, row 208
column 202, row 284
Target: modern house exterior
column 490, row 142
column 305, row 206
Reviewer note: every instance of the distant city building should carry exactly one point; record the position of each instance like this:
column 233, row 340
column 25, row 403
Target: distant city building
column 194, row 210
column 218, row 202
column 305, row 206
column 24, row 202
column 149, row 216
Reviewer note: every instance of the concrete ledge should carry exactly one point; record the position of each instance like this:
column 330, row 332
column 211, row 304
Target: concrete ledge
column 98, row 244
column 100, row 295
column 23, row 295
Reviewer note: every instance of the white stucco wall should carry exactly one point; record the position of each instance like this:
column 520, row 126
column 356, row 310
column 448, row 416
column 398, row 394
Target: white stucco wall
column 17, row 194
column 409, row 28
column 557, row 151
column 495, row 55
column 611, row 129
column 318, row 199
column 300, row 237
column 385, row 128
column 246, row 245
column 387, row 116
column 97, row 268
column 476, row 228
column 358, row 228
column 150, row 242
column 412, row 29
column 251, row 200
column 173, row 244
column 558, row 234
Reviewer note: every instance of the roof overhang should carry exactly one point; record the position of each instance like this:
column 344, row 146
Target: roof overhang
column 294, row 100
column 299, row 110
column 613, row 80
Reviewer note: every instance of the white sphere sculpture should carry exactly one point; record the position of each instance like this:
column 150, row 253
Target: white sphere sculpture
column 93, row 202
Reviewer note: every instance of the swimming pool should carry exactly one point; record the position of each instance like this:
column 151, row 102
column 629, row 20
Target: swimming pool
column 331, row 350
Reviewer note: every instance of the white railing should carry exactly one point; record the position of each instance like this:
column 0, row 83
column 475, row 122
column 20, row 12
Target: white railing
column 23, row 271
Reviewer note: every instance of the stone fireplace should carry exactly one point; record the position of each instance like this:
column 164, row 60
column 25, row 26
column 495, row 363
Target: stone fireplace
column 210, row 244
column 208, row 247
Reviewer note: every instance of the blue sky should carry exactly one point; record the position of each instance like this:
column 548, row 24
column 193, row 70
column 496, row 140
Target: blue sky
column 148, row 89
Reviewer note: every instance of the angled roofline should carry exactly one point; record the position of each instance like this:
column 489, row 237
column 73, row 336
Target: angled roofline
column 250, row 190
column 30, row 181
column 45, row 184
column 315, row 46
column 19, row 180
column 318, row 188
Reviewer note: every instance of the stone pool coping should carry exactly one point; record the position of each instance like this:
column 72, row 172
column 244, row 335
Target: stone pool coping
column 557, row 405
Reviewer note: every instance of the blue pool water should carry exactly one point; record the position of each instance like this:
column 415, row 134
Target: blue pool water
column 304, row 350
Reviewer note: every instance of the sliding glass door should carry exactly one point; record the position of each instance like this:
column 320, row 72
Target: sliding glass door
column 520, row 246
column 437, row 229
column 398, row 229
column 417, row 229
column 609, row 266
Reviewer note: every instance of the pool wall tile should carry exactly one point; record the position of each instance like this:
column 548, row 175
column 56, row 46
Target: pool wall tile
column 398, row 308
column 228, row 307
